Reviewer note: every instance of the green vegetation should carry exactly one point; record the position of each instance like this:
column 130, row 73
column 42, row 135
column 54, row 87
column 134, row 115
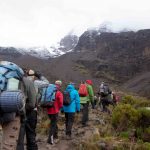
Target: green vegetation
column 132, row 118
column 81, row 68
column 125, row 116
column 136, row 102
column 105, row 74
column 43, row 125
column 128, row 128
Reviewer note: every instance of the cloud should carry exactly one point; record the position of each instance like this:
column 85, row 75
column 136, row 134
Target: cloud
column 43, row 22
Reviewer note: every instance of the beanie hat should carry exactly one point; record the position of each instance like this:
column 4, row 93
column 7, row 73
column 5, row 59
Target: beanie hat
column 58, row 82
column 89, row 82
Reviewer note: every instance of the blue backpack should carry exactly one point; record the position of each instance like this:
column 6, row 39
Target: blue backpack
column 48, row 96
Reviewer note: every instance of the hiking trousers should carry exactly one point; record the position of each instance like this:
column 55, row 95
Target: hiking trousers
column 69, row 122
column 53, row 127
column 85, row 113
column 30, row 128
column 105, row 102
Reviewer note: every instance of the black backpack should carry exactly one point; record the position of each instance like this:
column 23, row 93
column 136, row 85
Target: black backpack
column 66, row 98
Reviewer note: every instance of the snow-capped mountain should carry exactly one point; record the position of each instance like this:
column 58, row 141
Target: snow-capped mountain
column 67, row 44
column 39, row 52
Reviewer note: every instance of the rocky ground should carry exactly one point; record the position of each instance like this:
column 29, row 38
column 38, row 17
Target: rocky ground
column 98, row 135
column 80, row 133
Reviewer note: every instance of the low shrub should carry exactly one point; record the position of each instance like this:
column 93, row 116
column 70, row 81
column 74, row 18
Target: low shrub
column 43, row 125
column 124, row 134
column 128, row 99
column 142, row 146
column 144, row 120
column 88, row 146
column 124, row 117
column 146, row 135
column 142, row 103
column 144, row 124
column 139, row 132
column 136, row 102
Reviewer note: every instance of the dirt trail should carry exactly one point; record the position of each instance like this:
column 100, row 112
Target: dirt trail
column 10, row 135
column 79, row 133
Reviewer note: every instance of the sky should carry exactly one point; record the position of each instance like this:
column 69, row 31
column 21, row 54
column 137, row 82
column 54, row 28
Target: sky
column 29, row 23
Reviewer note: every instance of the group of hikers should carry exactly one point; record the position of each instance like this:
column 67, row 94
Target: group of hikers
column 23, row 90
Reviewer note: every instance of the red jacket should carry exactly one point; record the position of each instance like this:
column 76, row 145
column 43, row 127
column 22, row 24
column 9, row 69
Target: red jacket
column 57, row 104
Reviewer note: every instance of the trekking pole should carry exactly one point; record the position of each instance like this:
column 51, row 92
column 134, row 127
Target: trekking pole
column 1, row 137
column 20, row 142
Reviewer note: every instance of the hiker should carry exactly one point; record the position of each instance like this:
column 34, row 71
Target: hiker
column 31, row 113
column 53, row 113
column 115, row 98
column 86, row 96
column 40, row 82
column 105, row 96
column 10, row 78
column 71, row 105
column 18, row 95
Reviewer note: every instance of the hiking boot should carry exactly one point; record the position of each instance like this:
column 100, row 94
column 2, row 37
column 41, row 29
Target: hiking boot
column 85, row 125
column 56, row 141
column 55, row 136
column 51, row 140
column 1, row 127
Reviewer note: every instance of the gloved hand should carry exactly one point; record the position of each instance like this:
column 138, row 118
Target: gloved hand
column 37, row 74
column 62, row 111
column 78, row 111
column 98, row 93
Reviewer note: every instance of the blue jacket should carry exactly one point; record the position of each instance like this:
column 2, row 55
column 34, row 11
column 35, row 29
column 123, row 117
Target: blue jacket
column 75, row 100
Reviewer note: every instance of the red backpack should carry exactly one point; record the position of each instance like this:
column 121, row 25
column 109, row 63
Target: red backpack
column 83, row 90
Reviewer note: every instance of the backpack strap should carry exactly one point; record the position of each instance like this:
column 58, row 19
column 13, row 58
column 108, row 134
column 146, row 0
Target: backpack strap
column 4, row 75
column 22, row 87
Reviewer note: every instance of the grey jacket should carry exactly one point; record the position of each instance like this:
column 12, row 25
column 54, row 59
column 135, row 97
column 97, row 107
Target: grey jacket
column 30, row 94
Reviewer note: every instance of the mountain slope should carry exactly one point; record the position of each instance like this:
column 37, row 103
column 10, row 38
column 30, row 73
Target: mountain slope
column 139, row 84
column 118, row 58
column 119, row 55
